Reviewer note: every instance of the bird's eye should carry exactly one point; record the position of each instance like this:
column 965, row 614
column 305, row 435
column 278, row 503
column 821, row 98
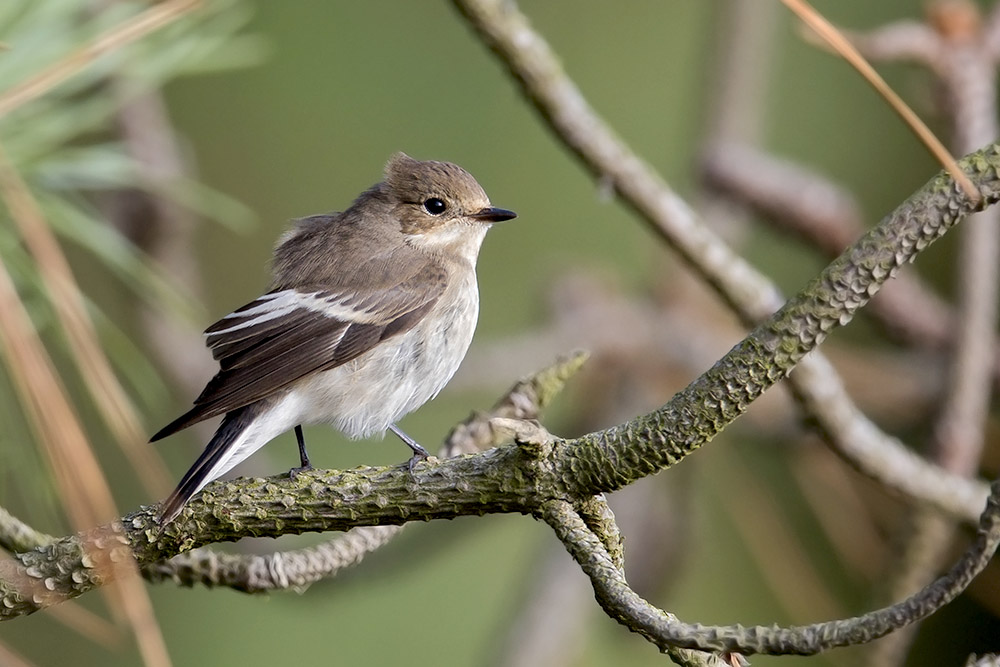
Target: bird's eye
column 434, row 206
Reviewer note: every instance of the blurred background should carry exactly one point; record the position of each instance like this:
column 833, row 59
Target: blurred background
column 169, row 167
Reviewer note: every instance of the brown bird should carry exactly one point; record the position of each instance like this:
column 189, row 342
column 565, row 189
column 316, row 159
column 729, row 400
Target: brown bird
column 369, row 315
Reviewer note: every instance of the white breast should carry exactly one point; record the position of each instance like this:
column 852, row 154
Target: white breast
column 364, row 396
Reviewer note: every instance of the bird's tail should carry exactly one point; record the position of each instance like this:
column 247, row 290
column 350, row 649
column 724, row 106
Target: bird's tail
column 226, row 449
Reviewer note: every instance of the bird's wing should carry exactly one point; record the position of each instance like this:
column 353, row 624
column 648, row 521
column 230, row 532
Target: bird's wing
column 287, row 334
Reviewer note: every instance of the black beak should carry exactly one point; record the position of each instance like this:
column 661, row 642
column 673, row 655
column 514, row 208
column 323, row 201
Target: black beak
column 493, row 214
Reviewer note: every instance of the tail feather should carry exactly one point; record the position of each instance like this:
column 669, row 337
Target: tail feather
column 202, row 472
column 192, row 416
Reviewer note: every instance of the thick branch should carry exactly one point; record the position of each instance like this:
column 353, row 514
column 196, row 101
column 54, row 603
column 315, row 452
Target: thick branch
column 496, row 481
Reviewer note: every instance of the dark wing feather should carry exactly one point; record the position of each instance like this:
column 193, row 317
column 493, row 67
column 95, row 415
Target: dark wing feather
column 288, row 334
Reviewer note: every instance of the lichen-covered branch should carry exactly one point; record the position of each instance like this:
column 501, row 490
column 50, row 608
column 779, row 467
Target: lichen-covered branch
column 281, row 570
column 318, row 501
column 600, row 520
column 613, row 592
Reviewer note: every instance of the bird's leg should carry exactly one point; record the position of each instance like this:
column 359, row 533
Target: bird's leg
column 419, row 453
column 303, row 456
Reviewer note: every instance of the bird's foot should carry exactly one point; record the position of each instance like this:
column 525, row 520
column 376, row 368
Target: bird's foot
column 418, row 456
column 419, row 453
column 294, row 472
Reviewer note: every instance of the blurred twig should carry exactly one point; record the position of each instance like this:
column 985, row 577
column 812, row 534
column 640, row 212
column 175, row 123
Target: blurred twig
column 15, row 535
column 82, row 485
column 848, row 52
column 738, row 87
column 157, row 16
column 750, row 294
column 160, row 226
column 64, row 294
column 87, row 624
column 955, row 47
column 794, row 199
column 11, row 659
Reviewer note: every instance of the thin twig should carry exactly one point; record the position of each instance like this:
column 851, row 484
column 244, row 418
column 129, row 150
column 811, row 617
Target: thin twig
column 847, row 51
column 664, row 630
column 15, row 535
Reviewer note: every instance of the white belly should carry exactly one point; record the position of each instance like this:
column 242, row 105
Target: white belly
column 364, row 396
